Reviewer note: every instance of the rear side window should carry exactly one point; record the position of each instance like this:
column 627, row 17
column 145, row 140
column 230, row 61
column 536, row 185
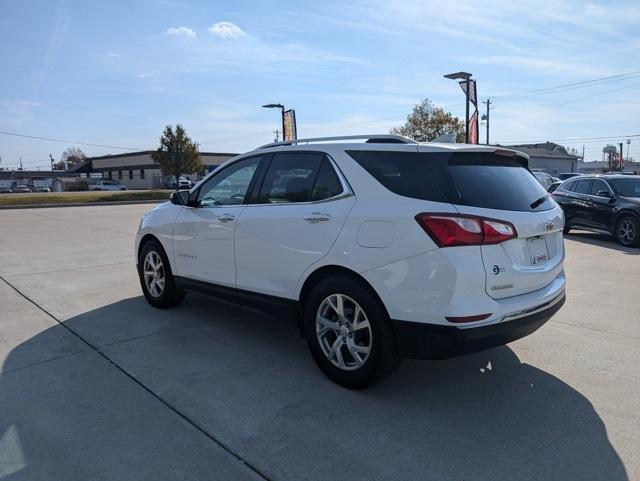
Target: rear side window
column 569, row 186
column 290, row 178
column 404, row 173
column 492, row 181
column 583, row 186
column 327, row 183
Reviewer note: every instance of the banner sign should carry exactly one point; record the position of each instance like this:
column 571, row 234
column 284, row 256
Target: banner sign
column 290, row 129
column 473, row 128
column 472, row 94
column 474, row 125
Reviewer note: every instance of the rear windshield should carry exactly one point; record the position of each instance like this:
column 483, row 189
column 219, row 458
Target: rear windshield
column 484, row 180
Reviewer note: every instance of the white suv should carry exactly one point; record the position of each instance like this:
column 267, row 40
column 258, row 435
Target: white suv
column 377, row 250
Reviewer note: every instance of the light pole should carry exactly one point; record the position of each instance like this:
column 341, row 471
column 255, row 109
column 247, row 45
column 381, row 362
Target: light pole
column 466, row 77
column 277, row 106
column 628, row 143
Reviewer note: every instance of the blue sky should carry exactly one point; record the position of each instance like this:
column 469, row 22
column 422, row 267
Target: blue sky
column 115, row 72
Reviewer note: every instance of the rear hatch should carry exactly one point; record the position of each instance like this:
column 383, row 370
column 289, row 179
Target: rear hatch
column 499, row 186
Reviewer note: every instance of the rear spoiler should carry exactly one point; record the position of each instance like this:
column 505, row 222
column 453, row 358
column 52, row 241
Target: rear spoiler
column 514, row 154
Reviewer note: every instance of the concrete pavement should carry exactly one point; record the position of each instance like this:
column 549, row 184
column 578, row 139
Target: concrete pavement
column 96, row 384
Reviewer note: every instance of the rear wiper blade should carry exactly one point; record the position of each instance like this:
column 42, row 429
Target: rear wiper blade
column 536, row 203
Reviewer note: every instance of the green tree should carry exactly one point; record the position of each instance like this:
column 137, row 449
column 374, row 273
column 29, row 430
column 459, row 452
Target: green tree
column 426, row 122
column 177, row 153
column 72, row 157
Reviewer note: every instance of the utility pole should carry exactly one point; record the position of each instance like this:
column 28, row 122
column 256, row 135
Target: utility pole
column 628, row 143
column 485, row 117
column 277, row 132
column 51, row 159
column 621, row 159
column 20, row 163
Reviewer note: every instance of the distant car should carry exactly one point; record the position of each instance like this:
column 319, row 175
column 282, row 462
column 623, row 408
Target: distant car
column 568, row 175
column 106, row 185
column 602, row 203
column 545, row 179
column 182, row 183
column 42, row 188
column 5, row 190
column 554, row 186
column 22, row 188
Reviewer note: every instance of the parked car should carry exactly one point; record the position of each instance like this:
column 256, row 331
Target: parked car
column 603, row 203
column 5, row 189
column 42, row 188
column 377, row 250
column 21, row 188
column 545, row 179
column 106, row 185
column 554, row 186
column 182, row 183
column 568, row 175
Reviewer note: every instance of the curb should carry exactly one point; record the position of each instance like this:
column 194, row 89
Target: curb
column 80, row 204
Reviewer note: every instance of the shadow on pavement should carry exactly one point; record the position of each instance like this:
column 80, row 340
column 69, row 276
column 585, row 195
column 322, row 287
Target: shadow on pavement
column 602, row 240
column 250, row 383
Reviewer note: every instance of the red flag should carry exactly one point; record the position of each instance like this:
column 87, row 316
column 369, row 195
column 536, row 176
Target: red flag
column 473, row 128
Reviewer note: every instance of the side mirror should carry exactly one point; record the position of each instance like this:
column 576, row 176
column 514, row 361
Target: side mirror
column 179, row 197
column 604, row 193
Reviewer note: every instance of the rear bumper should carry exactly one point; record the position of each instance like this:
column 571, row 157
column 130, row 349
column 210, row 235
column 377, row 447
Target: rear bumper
column 417, row 340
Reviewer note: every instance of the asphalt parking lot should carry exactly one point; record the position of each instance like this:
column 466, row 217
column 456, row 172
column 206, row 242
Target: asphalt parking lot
column 96, row 384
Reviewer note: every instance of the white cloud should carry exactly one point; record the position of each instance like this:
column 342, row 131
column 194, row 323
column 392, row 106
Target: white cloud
column 226, row 30
column 146, row 76
column 114, row 55
column 181, row 31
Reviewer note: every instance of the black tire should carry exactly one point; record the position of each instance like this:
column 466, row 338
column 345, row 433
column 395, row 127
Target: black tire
column 170, row 295
column 567, row 227
column 383, row 358
column 628, row 231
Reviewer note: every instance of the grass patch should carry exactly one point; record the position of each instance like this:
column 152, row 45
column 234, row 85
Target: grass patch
column 46, row 198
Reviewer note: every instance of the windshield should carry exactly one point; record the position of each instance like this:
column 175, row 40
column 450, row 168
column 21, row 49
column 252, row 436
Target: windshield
column 626, row 187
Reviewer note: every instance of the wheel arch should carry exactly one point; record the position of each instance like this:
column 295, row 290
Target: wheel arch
column 625, row 212
column 316, row 276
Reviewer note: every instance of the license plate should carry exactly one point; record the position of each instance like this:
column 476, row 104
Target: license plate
column 537, row 248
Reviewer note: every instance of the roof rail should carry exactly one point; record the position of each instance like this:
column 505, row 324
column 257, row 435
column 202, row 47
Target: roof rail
column 396, row 139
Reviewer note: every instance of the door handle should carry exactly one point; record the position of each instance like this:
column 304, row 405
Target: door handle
column 226, row 217
column 317, row 217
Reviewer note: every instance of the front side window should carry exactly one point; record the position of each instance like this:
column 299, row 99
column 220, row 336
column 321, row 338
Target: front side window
column 290, row 178
column 597, row 186
column 626, row 187
column 229, row 186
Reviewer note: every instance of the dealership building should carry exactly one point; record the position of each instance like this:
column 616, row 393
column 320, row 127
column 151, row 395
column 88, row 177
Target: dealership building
column 137, row 170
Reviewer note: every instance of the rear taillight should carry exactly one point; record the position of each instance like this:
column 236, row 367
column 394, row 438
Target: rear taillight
column 449, row 230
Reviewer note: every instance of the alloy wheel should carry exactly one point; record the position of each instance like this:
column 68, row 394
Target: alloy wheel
column 344, row 332
column 154, row 275
column 627, row 231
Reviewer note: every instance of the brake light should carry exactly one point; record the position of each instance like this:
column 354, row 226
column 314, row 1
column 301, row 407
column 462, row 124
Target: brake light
column 450, row 230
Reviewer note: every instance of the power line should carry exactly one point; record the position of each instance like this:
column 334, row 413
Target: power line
column 583, row 139
column 51, row 139
column 598, row 94
column 570, row 86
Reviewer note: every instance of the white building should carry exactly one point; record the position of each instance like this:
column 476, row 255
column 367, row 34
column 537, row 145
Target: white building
column 137, row 170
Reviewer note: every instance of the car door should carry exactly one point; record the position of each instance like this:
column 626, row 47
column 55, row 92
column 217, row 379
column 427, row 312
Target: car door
column 582, row 214
column 203, row 235
column 298, row 212
column 602, row 208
